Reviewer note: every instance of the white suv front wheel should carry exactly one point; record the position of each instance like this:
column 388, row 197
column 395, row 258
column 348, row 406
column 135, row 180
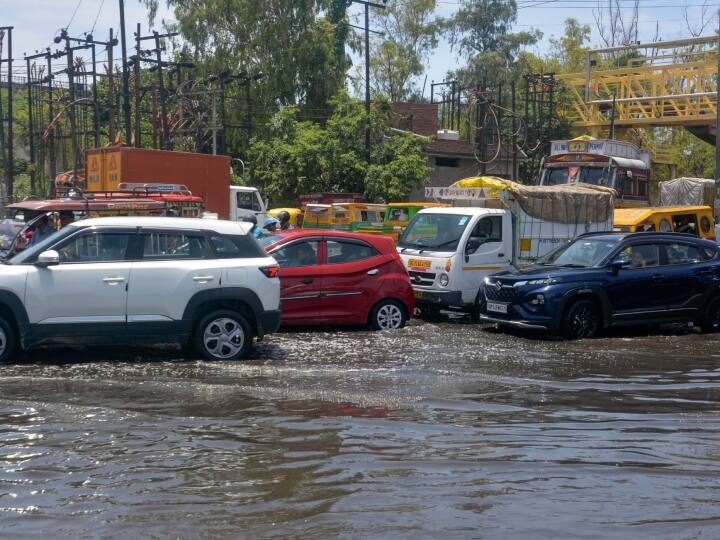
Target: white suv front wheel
column 223, row 335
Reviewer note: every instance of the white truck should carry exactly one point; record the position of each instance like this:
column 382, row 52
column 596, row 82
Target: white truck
column 247, row 201
column 448, row 252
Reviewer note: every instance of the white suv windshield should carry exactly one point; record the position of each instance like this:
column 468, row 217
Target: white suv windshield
column 434, row 232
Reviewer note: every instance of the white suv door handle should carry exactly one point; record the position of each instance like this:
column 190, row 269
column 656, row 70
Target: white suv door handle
column 373, row 272
column 203, row 279
column 113, row 280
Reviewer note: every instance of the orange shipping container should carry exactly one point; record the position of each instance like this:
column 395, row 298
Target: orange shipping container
column 204, row 174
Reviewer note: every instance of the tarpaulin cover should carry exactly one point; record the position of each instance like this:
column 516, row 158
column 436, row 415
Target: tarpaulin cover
column 688, row 192
column 567, row 203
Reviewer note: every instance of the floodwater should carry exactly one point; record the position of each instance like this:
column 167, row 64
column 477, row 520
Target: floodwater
column 441, row 430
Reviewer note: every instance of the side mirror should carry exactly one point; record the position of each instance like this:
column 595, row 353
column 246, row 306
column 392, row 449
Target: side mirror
column 48, row 258
column 472, row 245
column 616, row 266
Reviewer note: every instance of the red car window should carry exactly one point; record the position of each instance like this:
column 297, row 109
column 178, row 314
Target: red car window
column 296, row 254
column 345, row 251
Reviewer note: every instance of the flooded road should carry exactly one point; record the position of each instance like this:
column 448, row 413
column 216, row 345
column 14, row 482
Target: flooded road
column 441, row 430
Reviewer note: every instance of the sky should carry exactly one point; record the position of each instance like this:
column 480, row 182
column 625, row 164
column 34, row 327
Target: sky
column 36, row 22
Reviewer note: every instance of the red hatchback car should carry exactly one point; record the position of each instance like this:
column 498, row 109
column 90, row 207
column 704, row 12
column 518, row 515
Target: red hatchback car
column 334, row 277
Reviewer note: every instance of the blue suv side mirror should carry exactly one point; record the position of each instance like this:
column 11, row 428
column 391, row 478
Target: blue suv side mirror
column 616, row 266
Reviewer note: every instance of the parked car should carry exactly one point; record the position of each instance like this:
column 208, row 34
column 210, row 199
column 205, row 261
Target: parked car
column 124, row 280
column 603, row 280
column 335, row 277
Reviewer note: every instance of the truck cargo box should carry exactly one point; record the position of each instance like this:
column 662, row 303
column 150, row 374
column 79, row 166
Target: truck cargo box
column 205, row 175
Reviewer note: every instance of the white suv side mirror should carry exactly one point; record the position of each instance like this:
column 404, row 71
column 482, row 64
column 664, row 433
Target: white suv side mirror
column 48, row 258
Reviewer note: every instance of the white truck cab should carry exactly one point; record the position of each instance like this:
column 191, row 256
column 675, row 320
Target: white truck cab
column 246, row 201
column 448, row 252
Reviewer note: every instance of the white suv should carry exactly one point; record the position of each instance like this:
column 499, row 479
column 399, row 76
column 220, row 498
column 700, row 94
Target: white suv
column 128, row 280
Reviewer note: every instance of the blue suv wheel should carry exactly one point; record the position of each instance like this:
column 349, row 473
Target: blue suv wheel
column 582, row 320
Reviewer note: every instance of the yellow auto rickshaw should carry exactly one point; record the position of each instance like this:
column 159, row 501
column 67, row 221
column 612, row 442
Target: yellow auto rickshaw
column 697, row 220
column 318, row 216
column 358, row 216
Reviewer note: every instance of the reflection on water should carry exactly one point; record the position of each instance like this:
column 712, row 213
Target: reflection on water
column 439, row 430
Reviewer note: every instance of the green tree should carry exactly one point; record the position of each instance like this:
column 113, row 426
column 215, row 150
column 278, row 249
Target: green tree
column 298, row 46
column 481, row 30
column 410, row 33
column 569, row 50
column 303, row 156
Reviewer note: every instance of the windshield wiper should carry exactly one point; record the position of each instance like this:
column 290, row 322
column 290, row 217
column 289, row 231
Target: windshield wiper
column 572, row 265
column 443, row 244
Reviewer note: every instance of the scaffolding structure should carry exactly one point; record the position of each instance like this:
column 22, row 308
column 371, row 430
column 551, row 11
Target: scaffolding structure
column 671, row 83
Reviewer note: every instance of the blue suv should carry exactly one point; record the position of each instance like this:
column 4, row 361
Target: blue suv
column 603, row 280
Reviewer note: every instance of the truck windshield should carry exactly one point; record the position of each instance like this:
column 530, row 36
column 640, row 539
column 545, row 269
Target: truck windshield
column 582, row 253
column 586, row 175
column 434, row 232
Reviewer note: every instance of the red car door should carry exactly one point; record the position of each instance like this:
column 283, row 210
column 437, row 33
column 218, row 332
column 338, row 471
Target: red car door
column 300, row 280
column 350, row 280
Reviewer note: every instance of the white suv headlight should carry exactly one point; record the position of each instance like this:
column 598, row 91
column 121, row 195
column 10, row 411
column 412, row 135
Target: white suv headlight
column 444, row 280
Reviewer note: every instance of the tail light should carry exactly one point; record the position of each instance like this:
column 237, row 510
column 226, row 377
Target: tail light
column 270, row 271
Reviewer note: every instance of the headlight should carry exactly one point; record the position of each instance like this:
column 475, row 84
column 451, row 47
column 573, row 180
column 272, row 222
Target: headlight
column 538, row 300
column 444, row 280
column 544, row 281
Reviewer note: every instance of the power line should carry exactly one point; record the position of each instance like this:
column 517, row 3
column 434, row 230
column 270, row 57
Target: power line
column 73, row 15
column 102, row 3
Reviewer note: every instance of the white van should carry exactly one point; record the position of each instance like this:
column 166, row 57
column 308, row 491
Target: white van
column 448, row 252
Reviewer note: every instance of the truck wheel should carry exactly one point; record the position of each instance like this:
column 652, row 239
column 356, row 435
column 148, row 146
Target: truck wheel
column 388, row 315
column 711, row 322
column 223, row 335
column 8, row 341
column 582, row 320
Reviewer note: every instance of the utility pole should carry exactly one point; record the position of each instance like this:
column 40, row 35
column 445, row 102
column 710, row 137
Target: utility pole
column 31, row 113
column 717, row 112
column 111, row 89
column 11, row 157
column 71, row 92
column 136, row 67
column 9, row 179
column 51, row 116
column 31, row 127
column 165, row 136
column 125, row 74
column 368, row 5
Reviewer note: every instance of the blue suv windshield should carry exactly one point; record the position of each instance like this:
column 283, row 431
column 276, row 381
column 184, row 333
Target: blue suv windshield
column 581, row 253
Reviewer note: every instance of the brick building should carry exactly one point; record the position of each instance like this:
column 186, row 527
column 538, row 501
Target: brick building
column 450, row 158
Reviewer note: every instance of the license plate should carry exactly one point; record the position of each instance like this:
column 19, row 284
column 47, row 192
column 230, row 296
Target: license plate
column 419, row 263
column 497, row 308
column 418, row 294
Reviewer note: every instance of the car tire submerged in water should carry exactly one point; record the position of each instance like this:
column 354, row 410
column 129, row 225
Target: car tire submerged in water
column 388, row 315
column 223, row 335
column 8, row 342
column 711, row 321
column 582, row 320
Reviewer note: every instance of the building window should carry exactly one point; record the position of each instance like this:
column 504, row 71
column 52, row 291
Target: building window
column 446, row 162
